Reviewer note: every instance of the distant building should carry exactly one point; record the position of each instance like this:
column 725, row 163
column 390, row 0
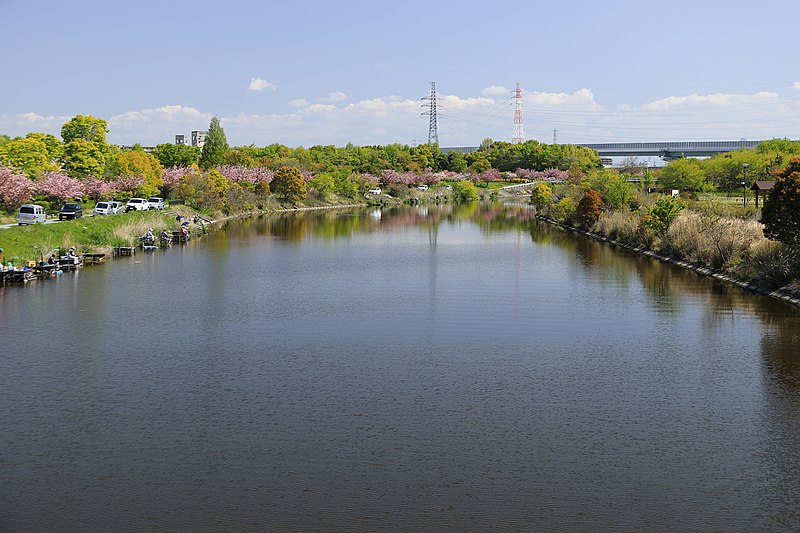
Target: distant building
column 198, row 138
column 180, row 139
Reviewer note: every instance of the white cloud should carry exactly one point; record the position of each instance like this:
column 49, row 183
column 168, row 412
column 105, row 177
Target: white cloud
column 157, row 125
column 582, row 98
column 796, row 85
column 718, row 99
column 495, row 90
column 259, row 84
column 24, row 123
column 335, row 96
column 462, row 121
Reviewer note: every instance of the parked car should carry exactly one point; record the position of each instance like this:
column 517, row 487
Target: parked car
column 117, row 206
column 70, row 211
column 30, row 214
column 422, row 187
column 137, row 204
column 154, row 202
column 105, row 208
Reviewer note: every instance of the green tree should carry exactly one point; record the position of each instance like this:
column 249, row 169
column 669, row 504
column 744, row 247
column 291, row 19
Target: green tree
column 215, row 147
column 54, row 147
column 26, row 155
column 176, row 155
column 478, row 163
column 288, row 183
column 83, row 158
column 323, row 184
column 781, row 212
column 682, row 174
column 86, row 128
column 456, row 162
column 618, row 191
column 464, row 191
column 662, row 214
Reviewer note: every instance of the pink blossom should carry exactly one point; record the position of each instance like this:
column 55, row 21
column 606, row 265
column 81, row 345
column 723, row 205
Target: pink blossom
column 15, row 188
column 240, row 174
column 369, row 179
column 95, row 188
column 126, row 183
column 59, row 186
column 172, row 176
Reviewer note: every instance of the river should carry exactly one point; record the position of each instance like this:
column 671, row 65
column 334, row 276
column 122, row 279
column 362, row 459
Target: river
column 411, row 369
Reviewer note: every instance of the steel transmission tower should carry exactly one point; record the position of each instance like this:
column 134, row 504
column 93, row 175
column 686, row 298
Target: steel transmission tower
column 429, row 102
column 518, row 136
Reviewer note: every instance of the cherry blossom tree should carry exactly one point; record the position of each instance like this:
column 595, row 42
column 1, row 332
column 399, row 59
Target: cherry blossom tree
column 59, row 186
column 172, row 177
column 126, row 183
column 15, row 188
column 96, row 188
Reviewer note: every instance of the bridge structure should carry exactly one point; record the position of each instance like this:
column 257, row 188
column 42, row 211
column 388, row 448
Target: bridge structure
column 670, row 149
column 667, row 150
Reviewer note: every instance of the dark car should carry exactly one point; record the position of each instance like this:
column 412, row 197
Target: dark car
column 69, row 211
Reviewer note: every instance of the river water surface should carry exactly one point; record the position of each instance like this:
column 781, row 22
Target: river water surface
column 406, row 370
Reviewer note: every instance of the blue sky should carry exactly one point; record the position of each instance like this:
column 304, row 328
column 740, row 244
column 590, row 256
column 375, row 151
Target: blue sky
column 313, row 72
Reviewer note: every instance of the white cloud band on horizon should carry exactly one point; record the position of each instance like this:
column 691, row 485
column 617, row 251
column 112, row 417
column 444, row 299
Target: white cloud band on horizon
column 577, row 116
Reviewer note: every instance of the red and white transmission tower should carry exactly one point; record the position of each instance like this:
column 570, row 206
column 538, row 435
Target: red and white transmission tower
column 518, row 136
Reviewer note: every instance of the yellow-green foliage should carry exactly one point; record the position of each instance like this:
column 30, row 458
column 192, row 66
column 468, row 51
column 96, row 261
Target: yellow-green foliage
column 563, row 210
column 142, row 165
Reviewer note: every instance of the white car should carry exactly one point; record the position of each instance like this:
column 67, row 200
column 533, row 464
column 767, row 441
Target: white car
column 155, row 202
column 137, row 204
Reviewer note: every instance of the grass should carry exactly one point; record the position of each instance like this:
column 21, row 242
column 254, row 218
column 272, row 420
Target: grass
column 88, row 234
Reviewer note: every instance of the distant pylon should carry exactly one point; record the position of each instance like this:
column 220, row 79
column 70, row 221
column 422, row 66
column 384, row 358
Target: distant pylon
column 429, row 102
column 519, row 132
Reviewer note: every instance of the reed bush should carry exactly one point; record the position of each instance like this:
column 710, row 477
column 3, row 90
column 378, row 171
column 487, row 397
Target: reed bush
column 711, row 241
column 622, row 226
column 770, row 264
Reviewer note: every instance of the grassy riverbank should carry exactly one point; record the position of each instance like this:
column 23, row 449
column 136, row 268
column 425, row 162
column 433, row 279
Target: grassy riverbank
column 88, row 234
column 99, row 234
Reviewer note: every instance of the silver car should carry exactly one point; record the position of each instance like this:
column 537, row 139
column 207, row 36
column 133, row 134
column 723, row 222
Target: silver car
column 30, row 214
column 104, row 208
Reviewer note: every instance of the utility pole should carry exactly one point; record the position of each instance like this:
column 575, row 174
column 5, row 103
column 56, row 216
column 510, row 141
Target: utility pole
column 430, row 102
column 555, row 136
column 518, row 136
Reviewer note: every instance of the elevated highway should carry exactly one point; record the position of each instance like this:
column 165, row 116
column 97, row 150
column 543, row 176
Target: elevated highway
column 666, row 150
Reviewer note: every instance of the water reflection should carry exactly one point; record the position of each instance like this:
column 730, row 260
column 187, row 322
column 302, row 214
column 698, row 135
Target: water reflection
column 441, row 368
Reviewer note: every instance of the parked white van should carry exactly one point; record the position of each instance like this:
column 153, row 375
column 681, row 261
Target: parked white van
column 30, row 214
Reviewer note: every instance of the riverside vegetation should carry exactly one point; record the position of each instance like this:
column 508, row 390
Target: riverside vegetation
column 704, row 226
column 705, row 231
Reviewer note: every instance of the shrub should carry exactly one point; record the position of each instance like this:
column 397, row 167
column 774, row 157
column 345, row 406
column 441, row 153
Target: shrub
column 771, row 264
column 563, row 210
column 589, row 208
column 620, row 226
column 464, row 191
